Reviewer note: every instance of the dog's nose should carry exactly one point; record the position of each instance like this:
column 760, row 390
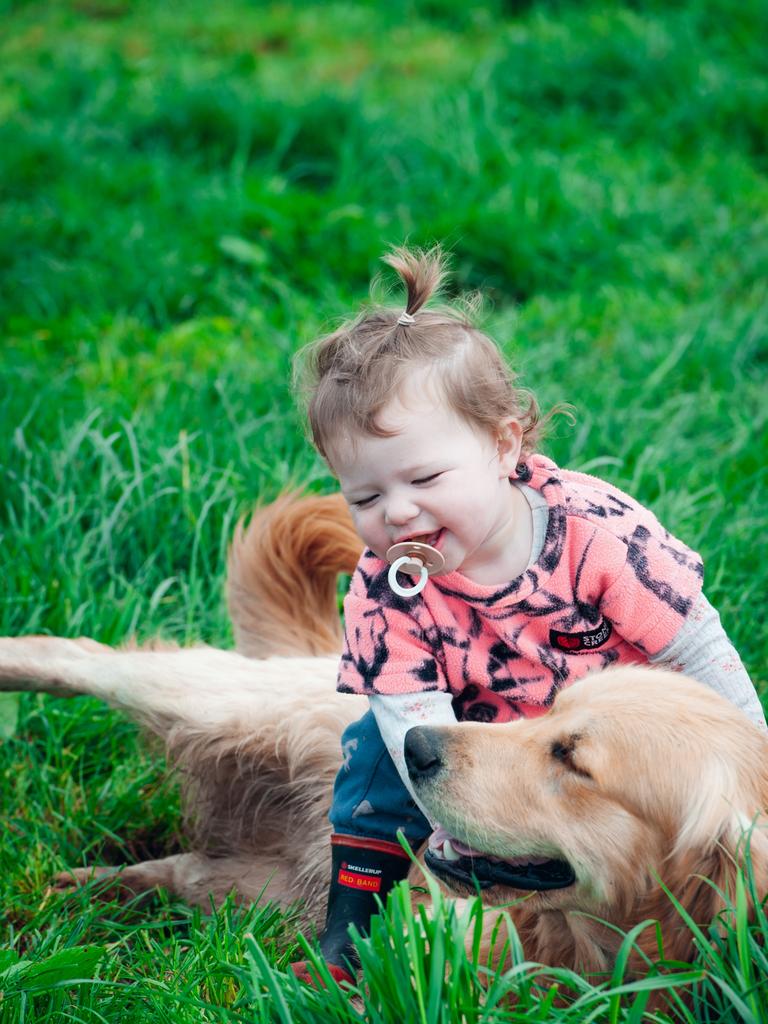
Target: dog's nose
column 422, row 752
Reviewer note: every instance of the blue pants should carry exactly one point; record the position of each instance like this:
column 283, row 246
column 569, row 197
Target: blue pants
column 369, row 797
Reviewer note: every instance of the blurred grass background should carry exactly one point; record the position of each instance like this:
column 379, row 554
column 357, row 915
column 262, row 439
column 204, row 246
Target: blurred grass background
column 191, row 191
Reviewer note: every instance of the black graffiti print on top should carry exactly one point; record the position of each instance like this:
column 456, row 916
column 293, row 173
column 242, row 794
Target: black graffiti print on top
column 610, row 585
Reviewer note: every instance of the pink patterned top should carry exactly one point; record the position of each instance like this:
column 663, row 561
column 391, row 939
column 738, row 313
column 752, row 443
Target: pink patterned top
column 610, row 586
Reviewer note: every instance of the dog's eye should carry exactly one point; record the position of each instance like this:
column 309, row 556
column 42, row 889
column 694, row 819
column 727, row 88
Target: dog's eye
column 563, row 750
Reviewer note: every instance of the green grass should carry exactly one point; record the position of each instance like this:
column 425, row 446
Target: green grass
column 191, row 191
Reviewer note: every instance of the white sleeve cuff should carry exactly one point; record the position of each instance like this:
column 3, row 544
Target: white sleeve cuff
column 398, row 712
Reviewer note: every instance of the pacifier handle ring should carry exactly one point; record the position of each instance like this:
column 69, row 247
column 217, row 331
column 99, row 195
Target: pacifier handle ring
column 400, row 590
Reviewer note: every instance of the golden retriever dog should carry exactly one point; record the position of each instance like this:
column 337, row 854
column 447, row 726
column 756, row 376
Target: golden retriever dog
column 637, row 776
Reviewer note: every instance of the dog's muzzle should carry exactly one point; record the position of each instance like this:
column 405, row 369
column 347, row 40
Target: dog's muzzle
column 479, row 872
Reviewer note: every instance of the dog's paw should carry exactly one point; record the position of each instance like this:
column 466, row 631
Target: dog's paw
column 44, row 663
column 71, row 880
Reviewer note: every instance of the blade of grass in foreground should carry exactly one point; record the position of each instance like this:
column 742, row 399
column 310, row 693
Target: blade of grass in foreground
column 423, row 966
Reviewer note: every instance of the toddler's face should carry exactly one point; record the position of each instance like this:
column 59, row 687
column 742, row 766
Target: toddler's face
column 436, row 479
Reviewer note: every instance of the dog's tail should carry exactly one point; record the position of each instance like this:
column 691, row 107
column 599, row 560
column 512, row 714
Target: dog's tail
column 282, row 571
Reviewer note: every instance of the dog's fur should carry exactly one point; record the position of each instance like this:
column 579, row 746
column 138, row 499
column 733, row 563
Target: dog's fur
column 635, row 776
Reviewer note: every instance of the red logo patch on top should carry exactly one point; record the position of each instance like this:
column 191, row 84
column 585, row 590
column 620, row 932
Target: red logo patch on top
column 588, row 641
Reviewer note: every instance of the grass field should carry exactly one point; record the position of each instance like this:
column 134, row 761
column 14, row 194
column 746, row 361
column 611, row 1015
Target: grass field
column 189, row 193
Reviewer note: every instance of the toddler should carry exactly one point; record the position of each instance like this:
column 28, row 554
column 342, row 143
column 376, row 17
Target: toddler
column 549, row 574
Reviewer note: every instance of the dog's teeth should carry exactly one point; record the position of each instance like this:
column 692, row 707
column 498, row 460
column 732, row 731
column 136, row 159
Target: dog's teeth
column 448, row 851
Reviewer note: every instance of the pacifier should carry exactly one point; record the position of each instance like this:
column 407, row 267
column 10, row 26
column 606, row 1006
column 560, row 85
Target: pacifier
column 411, row 557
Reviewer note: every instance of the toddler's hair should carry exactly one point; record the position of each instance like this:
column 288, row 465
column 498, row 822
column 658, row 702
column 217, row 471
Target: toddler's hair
column 350, row 375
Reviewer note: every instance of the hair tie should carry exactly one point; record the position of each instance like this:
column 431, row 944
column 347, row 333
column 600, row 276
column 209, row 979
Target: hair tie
column 405, row 319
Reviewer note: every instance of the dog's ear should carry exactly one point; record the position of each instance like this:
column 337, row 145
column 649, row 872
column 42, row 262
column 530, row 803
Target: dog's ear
column 723, row 830
column 703, row 882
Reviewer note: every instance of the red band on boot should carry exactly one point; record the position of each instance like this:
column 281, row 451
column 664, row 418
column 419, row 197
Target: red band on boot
column 382, row 845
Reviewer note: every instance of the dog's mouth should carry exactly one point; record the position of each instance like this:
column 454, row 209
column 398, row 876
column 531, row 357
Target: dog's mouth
column 456, row 863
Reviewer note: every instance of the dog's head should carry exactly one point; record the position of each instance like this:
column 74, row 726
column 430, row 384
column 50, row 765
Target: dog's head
column 635, row 773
